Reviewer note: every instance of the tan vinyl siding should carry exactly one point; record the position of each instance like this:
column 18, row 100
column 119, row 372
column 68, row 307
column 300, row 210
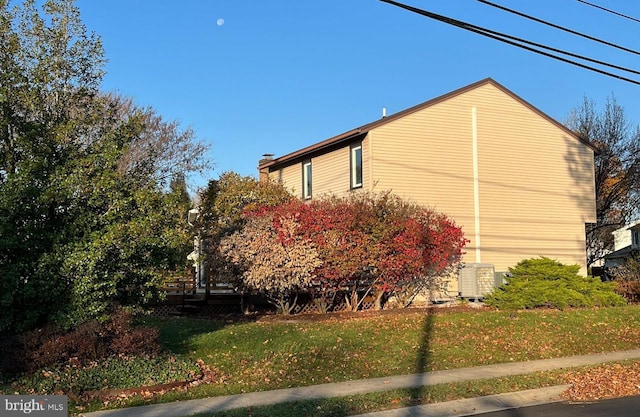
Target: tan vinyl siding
column 424, row 157
column 545, row 194
column 291, row 177
column 535, row 180
column 330, row 173
column 367, row 152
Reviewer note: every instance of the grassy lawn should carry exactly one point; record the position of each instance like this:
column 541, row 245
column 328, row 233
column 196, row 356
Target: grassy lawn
column 258, row 356
column 392, row 399
column 262, row 356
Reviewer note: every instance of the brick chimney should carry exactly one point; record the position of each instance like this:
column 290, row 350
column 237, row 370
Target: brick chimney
column 264, row 173
column 265, row 158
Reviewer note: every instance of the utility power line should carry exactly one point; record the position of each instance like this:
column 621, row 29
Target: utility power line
column 544, row 22
column 609, row 10
column 506, row 39
column 481, row 30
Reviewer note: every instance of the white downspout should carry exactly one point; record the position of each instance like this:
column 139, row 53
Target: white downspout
column 476, row 187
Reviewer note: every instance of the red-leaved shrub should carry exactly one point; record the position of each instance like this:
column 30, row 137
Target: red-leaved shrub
column 91, row 341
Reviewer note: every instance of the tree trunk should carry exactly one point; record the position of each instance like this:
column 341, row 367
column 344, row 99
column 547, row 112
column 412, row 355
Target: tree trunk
column 377, row 305
column 352, row 300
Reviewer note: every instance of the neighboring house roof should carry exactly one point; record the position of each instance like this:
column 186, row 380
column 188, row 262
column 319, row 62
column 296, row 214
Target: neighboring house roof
column 634, row 226
column 625, row 252
column 631, row 226
column 622, row 237
column 351, row 134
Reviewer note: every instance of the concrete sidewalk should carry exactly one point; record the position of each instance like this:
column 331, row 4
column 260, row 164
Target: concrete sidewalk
column 340, row 389
column 479, row 405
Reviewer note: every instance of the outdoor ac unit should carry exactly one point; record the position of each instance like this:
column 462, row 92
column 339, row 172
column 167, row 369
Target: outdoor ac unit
column 476, row 280
column 501, row 278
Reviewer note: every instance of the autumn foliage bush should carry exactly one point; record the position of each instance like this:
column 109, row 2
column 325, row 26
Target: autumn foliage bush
column 627, row 279
column 273, row 259
column 90, row 341
column 545, row 282
column 363, row 245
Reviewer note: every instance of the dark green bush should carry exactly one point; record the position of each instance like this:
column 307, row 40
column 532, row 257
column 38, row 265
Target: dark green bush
column 544, row 282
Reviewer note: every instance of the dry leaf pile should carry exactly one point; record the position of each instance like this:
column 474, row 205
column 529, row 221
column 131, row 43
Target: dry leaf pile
column 606, row 381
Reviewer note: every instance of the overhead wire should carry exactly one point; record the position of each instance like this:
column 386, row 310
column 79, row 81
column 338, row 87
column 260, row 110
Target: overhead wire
column 506, row 39
column 609, row 10
column 474, row 28
column 553, row 25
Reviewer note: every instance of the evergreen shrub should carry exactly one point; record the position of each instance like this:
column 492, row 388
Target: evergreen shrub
column 546, row 283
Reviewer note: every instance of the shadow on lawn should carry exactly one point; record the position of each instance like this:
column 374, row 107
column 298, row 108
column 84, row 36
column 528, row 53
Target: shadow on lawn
column 420, row 393
column 176, row 332
column 420, row 390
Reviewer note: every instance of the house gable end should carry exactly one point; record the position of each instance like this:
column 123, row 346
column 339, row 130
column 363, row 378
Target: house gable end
column 352, row 135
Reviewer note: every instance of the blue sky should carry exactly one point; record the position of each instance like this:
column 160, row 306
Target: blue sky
column 272, row 76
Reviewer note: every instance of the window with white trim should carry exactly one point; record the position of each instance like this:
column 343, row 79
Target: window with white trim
column 636, row 238
column 356, row 166
column 306, row 179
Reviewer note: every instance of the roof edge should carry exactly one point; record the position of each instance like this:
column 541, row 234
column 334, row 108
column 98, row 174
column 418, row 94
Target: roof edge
column 369, row 126
column 312, row 148
column 545, row 116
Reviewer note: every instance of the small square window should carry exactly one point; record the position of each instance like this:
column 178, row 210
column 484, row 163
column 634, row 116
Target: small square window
column 356, row 166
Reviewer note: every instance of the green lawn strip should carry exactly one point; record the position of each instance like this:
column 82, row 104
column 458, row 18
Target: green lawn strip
column 379, row 401
column 367, row 403
column 113, row 373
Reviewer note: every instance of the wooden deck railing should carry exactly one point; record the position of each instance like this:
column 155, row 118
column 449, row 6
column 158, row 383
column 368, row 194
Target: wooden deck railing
column 184, row 291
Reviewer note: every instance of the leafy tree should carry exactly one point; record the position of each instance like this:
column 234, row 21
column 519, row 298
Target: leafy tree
column 429, row 248
column 159, row 152
column 88, row 216
column 179, row 189
column 224, row 200
column 128, row 237
column 544, row 282
column 49, row 69
column 378, row 244
column 222, row 204
column 343, row 232
column 617, row 170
